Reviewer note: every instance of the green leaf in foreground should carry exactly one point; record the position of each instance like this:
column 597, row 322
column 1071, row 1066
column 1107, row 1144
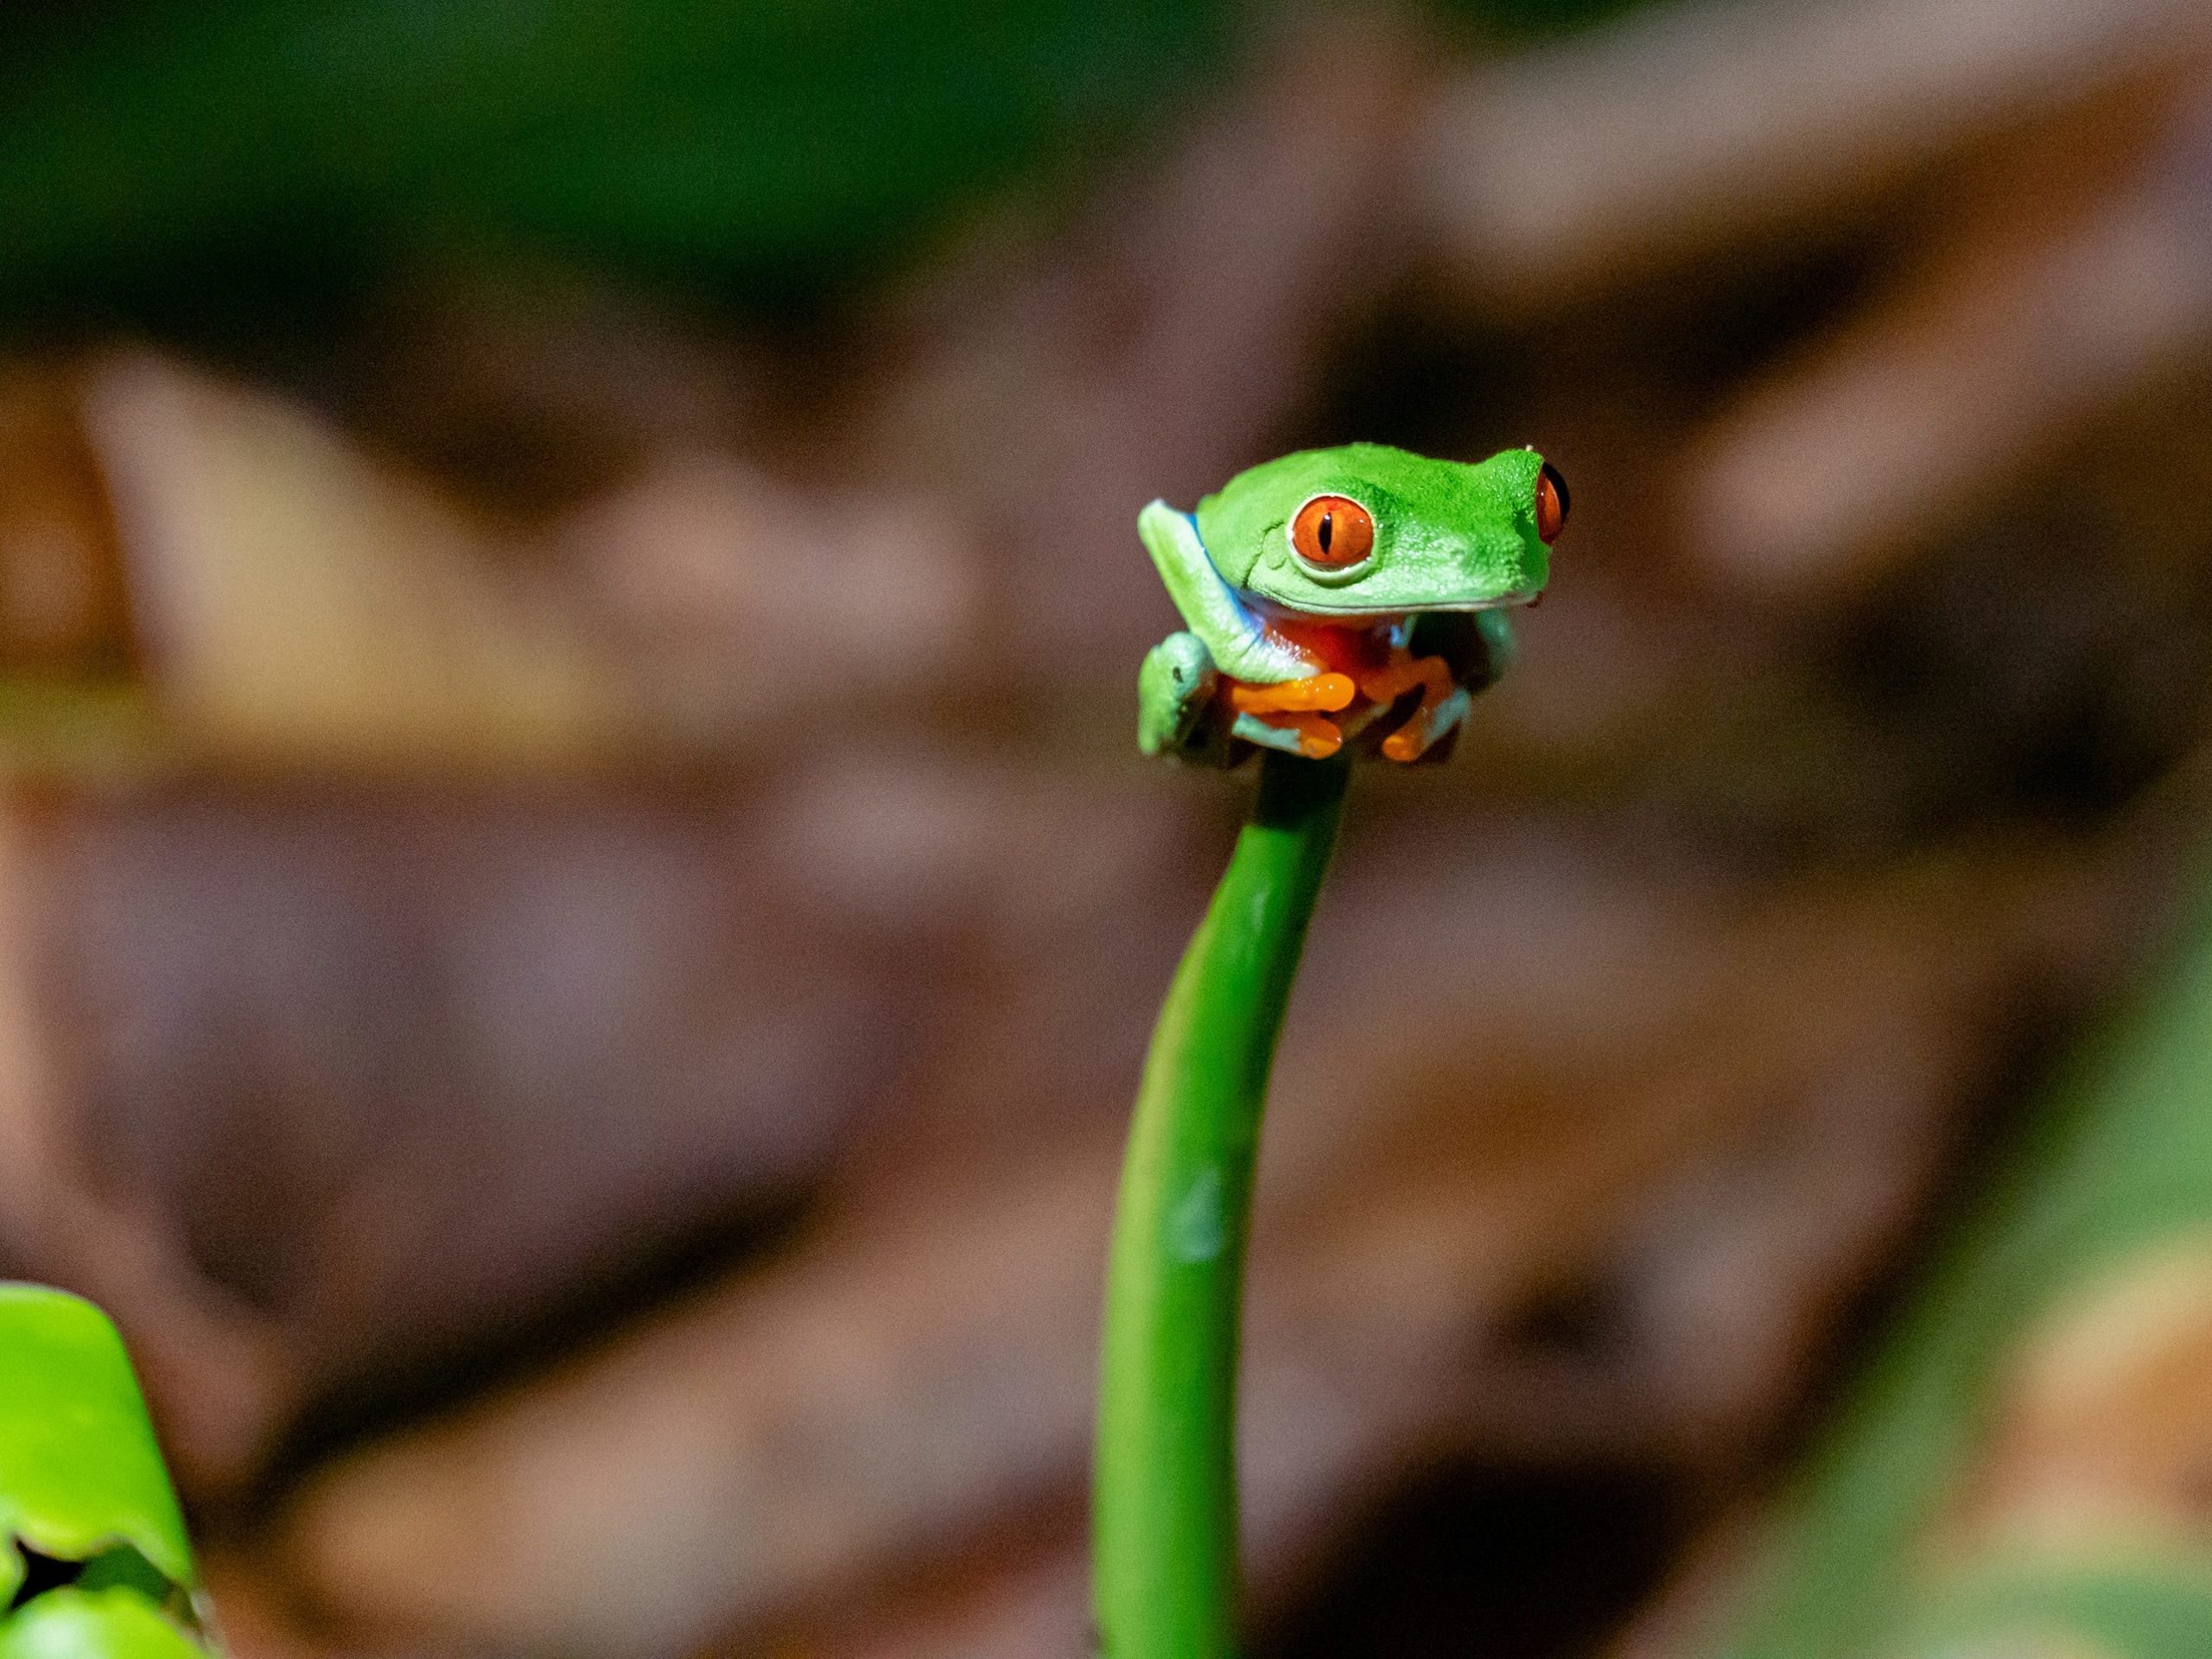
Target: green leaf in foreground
column 73, row 1623
column 82, row 1481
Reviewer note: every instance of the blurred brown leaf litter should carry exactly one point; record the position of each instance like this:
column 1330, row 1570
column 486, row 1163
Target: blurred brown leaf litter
column 580, row 913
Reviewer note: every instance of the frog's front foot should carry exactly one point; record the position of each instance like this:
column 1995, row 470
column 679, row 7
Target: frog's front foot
column 1175, row 690
column 1325, row 693
column 1290, row 715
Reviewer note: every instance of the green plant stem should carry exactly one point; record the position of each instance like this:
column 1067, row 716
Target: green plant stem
column 1164, row 1541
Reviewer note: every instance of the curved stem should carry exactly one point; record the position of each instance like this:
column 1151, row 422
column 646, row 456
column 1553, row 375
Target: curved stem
column 1164, row 1541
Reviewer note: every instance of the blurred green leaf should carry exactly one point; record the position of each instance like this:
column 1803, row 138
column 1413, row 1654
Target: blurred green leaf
column 2116, row 1166
column 71, row 1624
column 718, row 143
column 80, row 1471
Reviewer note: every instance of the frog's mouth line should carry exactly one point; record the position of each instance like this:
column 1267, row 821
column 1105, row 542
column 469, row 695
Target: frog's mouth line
column 1507, row 601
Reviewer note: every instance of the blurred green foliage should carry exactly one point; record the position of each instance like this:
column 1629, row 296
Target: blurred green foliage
column 752, row 148
column 157, row 155
column 1522, row 21
column 82, row 1484
column 73, row 1623
column 78, row 1468
column 2115, row 1171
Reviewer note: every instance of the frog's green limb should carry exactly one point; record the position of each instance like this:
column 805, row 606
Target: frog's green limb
column 77, row 1624
column 1241, row 646
column 1175, row 688
column 1164, row 1504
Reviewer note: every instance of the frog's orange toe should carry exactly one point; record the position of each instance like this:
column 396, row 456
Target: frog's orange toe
column 1318, row 739
column 1325, row 693
column 1320, row 744
column 1329, row 693
column 1403, row 745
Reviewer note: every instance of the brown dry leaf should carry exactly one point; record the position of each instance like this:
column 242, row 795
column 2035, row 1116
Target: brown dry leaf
column 63, row 607
column 1694, row 124
column 755, row 613
column 2082, row 272
column 216, row 1373
column 302, row 605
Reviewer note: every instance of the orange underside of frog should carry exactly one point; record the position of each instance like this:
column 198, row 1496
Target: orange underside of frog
column 1358, row 673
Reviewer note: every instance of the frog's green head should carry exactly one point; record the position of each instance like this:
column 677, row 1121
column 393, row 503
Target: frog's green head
column 1366, row 530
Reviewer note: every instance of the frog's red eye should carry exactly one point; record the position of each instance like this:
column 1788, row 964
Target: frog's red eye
column 1334, row 531
column 1551, row 504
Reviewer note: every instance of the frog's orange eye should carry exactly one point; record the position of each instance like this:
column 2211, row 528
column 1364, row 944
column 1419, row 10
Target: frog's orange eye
column 1332, row 532
column 1551, row 504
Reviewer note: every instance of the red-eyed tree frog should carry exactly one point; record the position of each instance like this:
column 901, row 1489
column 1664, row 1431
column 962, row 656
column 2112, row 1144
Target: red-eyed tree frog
column 1323, row 590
